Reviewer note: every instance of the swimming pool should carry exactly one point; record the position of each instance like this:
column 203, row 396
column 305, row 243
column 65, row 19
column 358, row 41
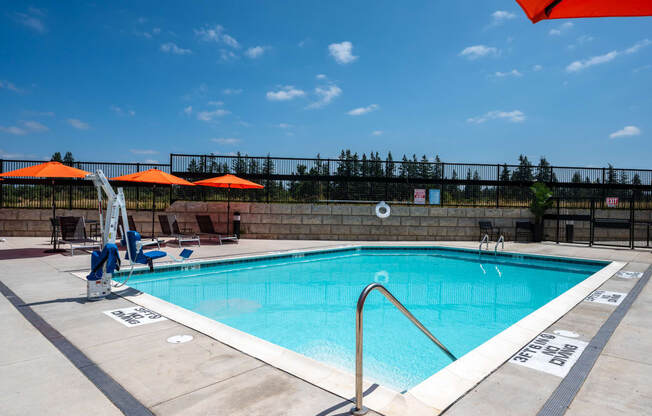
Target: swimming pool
column 306, row 302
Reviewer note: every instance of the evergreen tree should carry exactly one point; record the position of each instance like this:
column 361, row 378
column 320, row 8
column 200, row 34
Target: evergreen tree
column 239, row 165
column 68, row 159
column 612, row 177
column 56, row 157
column 192, row 166
column 389, row 166
column 425, row 169
column 438, row 170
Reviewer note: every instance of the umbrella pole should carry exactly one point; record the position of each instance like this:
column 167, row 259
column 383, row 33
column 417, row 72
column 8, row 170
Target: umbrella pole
column 153, row 208
column 228, row 210
column 55, row 249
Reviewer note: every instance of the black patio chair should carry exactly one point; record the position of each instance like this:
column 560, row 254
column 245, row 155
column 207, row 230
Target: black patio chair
column 486, row 227
column 132, row 226
column 170, row 228
column 524, row 228
column 206, row 228
column 73, row 232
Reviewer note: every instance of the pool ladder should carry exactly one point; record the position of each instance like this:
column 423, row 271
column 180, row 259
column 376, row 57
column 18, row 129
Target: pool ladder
column 485, row 240
column 501, row 240
column 359, row 409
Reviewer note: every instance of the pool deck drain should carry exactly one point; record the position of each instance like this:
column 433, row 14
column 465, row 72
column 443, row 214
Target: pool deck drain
column 204, row 376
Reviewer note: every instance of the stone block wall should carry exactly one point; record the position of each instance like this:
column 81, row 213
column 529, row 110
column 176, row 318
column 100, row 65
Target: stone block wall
column 330, row 222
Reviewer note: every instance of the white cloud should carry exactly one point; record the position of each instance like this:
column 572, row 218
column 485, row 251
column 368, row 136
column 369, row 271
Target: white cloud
column 216, row 34
column 34, row 126
column 284, row 126
column 226, row 140
column 227, row 55
column 363, row 110
column 17, row 131
column 581, row 41
column 577, row 66
column 10, row 86
column 595, row 60
column 153, row 161
column 342, row 52
column 626, row 132
column 156, row 30
column 121, row 111
column 78, row 124
column 188, row 110
column 172, row 47
column 210, row 115
column 320, row 76
column 216, row 103
column 255, row 52
column 537, row 68
column 377, row 133
column 32, row 20
column 143, row 151
column 561, row 29
column 26, row 127
column 638, row 45
column 326, row 94
column 500, row 16
column 515, row 116
column 642, row 68
column 286, row 93
column 512, row 73
column 232, row 91
column 478, row 51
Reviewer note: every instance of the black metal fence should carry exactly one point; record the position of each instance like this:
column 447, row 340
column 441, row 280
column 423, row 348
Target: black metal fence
column 347, row 178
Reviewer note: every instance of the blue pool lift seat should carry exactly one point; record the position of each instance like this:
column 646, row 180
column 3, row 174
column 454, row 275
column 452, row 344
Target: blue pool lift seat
column 136, row 250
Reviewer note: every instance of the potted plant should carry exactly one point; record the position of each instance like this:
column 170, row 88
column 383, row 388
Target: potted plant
column 541, row 202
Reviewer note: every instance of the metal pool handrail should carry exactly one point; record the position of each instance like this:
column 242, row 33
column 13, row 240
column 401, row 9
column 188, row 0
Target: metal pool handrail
column 485, row 239
column 501, row 240
column 359, row 409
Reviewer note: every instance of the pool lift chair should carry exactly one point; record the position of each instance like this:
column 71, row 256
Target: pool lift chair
column 106, row 261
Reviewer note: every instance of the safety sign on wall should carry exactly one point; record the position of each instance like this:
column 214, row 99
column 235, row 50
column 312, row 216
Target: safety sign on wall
column 419, row 196
column 135, row 316
column 611, row 201
column 550, row 353
column 606, row 297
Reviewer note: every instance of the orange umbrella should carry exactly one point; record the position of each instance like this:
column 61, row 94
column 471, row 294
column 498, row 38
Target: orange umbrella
column 229, row 181
column 48, row 170
column 538, row 10
column 153, row 176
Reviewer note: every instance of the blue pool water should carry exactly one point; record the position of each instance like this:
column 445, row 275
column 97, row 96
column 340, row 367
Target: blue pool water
column 307, row 303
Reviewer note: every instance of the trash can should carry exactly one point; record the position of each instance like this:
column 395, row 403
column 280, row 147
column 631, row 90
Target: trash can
column 236, row 224
column 570, row 231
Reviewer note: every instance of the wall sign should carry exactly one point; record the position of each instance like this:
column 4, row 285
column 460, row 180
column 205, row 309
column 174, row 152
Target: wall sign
column 629, row 275
column 419, row 196
column 434, row 196
column 606, row 297
column 552, row 354
column 135, row 316
column 611, row 201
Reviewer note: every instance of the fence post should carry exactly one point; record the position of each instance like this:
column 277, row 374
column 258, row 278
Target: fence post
column 69, row 196
column 604, row 190
column 631, row 222
column 171, row 191
column 269, row 178
column 498, row 185
column 443, row 176
column 1, row 187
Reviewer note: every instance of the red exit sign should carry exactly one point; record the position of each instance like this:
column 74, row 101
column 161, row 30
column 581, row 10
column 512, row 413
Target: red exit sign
column 612, row 201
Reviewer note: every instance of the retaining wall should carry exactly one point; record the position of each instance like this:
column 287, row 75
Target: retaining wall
column 328, row 222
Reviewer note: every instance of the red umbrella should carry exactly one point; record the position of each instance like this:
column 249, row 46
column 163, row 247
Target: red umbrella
column 538, row 10
column 153, row 176
column 229, row 181
column 50, row 170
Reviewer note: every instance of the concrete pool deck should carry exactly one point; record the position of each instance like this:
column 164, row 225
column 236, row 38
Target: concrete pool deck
column 207, row 377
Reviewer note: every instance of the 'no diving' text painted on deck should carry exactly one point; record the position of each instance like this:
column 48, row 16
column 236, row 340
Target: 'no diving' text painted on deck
column 550, row 353
column 606, row 297
column 135, row 316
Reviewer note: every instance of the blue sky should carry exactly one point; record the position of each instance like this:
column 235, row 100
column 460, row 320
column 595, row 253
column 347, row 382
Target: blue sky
column 472, row 82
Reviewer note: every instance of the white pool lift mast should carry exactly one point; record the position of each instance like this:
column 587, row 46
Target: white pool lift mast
column 115, row 207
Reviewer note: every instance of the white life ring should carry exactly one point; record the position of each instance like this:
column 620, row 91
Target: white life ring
column 381, row 277
column 383, row 210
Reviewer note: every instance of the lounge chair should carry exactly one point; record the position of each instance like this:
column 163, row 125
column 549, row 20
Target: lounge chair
column 170, row 228
column 523, row 228
column 73, row 232
column 132, row 227
column 486, row 227
column 206, row 228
